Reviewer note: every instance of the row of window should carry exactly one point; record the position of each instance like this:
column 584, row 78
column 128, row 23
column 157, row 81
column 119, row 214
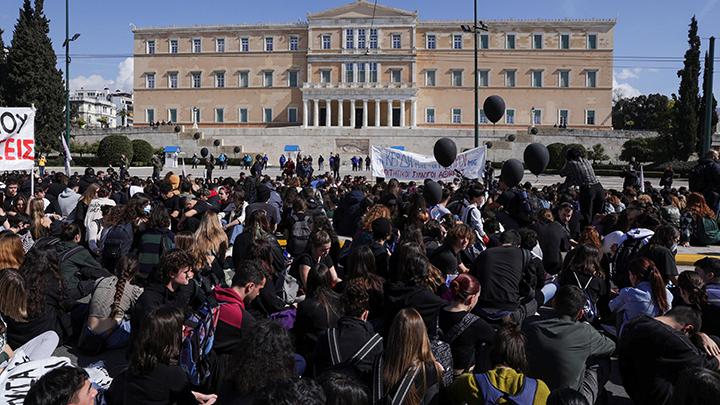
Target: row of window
column 361, row 38
column 536, row 113
column 368, row 73
column 219, row 115
column 510, row 76
column 456, row 116
column 293, row 79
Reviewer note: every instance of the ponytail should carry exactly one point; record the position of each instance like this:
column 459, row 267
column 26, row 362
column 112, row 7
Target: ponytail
column 657, row 290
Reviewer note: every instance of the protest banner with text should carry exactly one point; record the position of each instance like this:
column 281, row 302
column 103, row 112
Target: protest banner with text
column 392, row 163
column 17, row 138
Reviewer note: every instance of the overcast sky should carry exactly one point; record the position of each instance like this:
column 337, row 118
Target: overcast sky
column 645, row 29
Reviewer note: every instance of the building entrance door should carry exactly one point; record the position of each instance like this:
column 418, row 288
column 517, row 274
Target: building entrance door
column 396, row 117
column 358, row 118
column 322, row 113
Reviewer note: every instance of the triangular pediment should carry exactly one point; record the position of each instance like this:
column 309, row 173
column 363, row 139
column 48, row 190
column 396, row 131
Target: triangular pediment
column 362, row 9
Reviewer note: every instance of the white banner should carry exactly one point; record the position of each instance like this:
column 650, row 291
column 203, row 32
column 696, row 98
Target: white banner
column 17, row 138
column 392, row 163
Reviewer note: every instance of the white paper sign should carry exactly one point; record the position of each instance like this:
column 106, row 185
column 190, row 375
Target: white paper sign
column 392, row 163
column 17, row 138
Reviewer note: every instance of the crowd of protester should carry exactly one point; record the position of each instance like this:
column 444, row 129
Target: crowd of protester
column 317, row 289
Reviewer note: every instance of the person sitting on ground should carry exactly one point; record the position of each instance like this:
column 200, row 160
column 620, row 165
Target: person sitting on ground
column 352, row 351
column 500, row 271
column 64, row 385
column 647, row 296
column 564, row 352
column 411, row 359
column 584, row 272
column 446, row 257
column 653, row 352
column 566, row 396
column 317, row 254
column 699, row 223
column 708, row 269
column 505, row 379
column 172, row 290
column 697, row 386
column 661, row 250
column 153, row 374
column 341, row 389
column 469, row 336
column 78, row 267
column 381, row 233
column 268, row 348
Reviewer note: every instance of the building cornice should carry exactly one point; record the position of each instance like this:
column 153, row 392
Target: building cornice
column 215, row 28
column 520, row 24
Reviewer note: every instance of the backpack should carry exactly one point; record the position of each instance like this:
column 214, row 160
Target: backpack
column 198, row 339
column 707, row 231
column 590, row 312
column 492, row 395
column 443, row 354
column 398, row 395
column 117, row 242
column 696, row 178
column 626, row 251
column 458, row 330
column 299, row 235
column 287, row 287
column 349, row 366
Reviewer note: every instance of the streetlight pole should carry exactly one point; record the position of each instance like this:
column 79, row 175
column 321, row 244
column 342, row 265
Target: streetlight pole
column 66, row 44
column 475, row 29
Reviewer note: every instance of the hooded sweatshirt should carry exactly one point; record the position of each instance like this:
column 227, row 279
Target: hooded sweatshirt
column 93, row 219
column 232, row 319
column 67, row 201
column 636, row 301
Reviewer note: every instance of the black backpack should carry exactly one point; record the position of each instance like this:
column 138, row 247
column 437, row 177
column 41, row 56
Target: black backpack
column 117, row 243
column 626, row 252
column 299, row 235
column 696, row 178
column 349, row 366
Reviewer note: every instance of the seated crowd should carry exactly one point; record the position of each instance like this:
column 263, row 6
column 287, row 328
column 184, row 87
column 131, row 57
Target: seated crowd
column 253, row 290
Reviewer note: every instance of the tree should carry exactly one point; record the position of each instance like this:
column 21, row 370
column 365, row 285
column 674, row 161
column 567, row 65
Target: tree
column 686, row 111
column 703, row 107
column 33, row 78
column 653, row 112
column 113, row 146
column 597, row 153
column 3, row 70
column 644, row 150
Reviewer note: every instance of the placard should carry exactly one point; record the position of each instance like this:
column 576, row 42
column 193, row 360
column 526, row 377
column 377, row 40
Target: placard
column 17, row 138
column 393, row 163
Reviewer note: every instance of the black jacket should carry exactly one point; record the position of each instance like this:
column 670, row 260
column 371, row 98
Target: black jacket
column 53, row 317
column 352, row 334
column 155, row 296
column 399, row 296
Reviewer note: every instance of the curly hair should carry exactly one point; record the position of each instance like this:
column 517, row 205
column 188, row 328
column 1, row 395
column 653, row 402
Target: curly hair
column 268, row 348
column 40, row 268
column 375, row 212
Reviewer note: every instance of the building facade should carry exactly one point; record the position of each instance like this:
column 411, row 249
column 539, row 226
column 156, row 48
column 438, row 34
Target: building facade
column 124, row 105
column 365, row 66
column 93, row 108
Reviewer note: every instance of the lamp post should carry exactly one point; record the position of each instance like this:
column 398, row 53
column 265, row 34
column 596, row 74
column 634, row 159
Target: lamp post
column 475, row 29
column 66, row 44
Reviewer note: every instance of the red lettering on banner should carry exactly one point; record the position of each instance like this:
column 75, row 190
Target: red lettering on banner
column 9, row 151
column 28, row 143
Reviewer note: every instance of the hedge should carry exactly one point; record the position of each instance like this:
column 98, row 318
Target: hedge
column 112, row 147
column 142, row 151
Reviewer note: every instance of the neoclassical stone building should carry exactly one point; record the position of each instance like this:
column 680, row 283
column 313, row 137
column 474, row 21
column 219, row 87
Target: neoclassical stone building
column 360, row 66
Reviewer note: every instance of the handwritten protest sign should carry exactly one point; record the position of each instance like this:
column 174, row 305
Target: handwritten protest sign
column 17, row 138
column 392, row 163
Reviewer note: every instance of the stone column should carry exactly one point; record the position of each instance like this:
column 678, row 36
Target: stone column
column 413, row 114
column 341, row 120
column 389, row 113
column 328, row 113
column 316, row 113
column 305, row 113
column 365, row 114
column 377, row 113
column 352, row 113
column 402, row 113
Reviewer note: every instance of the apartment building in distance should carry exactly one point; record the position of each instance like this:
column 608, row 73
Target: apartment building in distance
column 365, row 66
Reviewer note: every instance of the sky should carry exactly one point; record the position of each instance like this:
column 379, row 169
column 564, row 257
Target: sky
column 645, row 29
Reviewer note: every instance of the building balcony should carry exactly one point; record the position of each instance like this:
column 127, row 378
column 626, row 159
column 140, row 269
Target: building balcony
column 377, row 85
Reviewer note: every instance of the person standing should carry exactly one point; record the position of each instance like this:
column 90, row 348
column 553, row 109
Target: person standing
column 367, row 163
column 209, row 166
column 282, row 161
column 195, row 160
column 321, row 162
column 41, row 163
column 667, row 178
column 157, row 167
column 124, row 164
column 265, row 161
column 578, row 171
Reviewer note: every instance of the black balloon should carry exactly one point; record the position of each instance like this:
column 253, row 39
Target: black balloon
column 216, row 142
column 204, row 152
column 494, row 108
column 237, row 149
column 488, row 144
column 511, row 138
column 177, row 128
column 196, row 135
column 537, row 158
column 445, row 152
column 512, row 172
column 534, row 130
column 432, row 192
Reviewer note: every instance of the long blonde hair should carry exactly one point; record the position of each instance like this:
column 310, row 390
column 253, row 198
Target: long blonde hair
column 411, row 348
column 37, row 214
column 210, row 238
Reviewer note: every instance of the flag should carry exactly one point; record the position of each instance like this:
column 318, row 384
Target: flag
column 642, row 180
column 68, row 157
